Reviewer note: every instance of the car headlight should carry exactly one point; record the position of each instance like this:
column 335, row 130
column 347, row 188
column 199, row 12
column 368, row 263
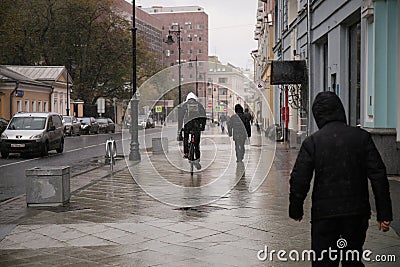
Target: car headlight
column 4, row 136
column 36, row 136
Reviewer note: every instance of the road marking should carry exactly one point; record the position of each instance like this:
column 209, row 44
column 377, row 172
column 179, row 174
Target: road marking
column 73, row 150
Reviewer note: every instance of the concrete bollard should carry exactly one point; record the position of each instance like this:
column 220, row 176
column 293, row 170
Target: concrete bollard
column 160, row 145
column 48, row 186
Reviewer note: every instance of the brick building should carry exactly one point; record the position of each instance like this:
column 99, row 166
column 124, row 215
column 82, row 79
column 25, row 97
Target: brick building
column 149, row 28
column 193, row 24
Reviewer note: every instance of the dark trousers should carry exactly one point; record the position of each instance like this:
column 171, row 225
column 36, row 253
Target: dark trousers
column 197, row 135
column 326, row 233
column 239, row 147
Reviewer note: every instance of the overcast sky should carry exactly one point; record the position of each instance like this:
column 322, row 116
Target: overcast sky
column 231, row 26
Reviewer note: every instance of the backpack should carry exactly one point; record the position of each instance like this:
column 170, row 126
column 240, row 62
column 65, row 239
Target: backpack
column 194, row 119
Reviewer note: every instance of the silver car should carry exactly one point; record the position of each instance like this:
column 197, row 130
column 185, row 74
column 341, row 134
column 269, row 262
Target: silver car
column 71, row 125
column 36, row 132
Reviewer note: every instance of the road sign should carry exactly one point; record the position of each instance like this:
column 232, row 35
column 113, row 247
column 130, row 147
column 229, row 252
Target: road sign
column 209, row 104
column 158, row 109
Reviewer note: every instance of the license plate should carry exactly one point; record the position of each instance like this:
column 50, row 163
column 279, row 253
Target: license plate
column 17, row 145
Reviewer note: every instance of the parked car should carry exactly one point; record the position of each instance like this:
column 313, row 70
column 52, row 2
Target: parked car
column 35, row 132
column 71, row 125
column 89, row 125
column 106, row 125
column 3, row 124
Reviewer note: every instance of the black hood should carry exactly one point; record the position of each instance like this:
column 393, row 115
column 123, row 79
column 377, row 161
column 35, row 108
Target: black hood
column 238, row 108
column 327, row 107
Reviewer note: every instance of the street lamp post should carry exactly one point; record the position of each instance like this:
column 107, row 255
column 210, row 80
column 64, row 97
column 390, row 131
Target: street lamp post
column 170, row 41
column 68, row 105
column 134, row 154
column 212, row 104
column 197, row 83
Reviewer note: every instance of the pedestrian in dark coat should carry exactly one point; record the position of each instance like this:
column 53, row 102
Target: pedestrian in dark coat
column 341, row 158
column 239, row 127
column 248, row 115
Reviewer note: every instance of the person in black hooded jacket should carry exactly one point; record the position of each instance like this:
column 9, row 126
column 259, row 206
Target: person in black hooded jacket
column 341, row 158
column 239, row 127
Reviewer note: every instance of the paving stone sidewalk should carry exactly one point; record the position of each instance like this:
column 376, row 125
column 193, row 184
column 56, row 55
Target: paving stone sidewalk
column 111, row 221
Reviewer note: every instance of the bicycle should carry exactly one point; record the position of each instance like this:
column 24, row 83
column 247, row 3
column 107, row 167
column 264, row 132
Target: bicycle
column 192, row 153
column 111, row 152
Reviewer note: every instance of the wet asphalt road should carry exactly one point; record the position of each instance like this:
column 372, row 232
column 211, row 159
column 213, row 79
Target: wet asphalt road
column 81, row 153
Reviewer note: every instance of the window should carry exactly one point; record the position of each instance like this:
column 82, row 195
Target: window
column 19, row 106
column 33, row 106
column 190, row 64
column 190, row 39
column 40, row 108
column 199, row 39
column 222, row 80
column 172, row 52
column 171, row 64
column 200, row 51
column 27, row 105
column 200, row 26
column 190, row 51
column 46, row 106
column 56, row 121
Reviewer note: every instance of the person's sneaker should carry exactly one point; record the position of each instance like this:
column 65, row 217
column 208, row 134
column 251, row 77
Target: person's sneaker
column 185, row 155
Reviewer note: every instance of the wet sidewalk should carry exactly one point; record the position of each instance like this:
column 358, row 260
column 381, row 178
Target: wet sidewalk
column 111, row 221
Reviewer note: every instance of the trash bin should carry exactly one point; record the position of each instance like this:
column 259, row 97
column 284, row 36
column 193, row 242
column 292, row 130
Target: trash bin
column 48, row 186
column 160, row 145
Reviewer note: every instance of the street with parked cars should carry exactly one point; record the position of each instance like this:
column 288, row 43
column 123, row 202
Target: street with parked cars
column 106, row 125
column 37, row 133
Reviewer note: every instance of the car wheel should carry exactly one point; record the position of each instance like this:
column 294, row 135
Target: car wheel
column 45, row 149
column 4, row 154
column 60, row 149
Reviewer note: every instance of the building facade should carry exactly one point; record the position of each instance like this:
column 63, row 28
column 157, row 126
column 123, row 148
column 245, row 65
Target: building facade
column 149, row 28
column 228, row 85
column 351, row 48
column 191, row 24
column 263, row 56
column 34, row 89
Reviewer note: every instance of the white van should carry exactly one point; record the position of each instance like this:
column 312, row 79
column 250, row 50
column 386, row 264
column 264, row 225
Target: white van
column 35, row 132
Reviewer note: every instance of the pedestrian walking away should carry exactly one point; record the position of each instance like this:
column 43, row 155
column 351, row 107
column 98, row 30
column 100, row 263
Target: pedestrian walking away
column 248, row 115
column 239, row 127
column 223, row 120
column 194, row 121
column 342, row 158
